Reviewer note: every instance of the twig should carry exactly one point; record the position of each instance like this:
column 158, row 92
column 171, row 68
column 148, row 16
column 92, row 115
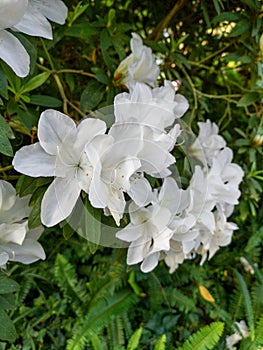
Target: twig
column 155, row 35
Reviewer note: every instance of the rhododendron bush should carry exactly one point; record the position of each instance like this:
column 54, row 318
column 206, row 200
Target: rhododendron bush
column 131, row 143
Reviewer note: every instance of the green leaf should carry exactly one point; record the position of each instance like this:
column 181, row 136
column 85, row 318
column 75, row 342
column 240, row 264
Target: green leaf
column 240, row 28
column 7, row 285
column 45, row 101
column 7, row 329
column 35, row 82
column 34, row 216
column 3, row 84
column 91, row 228
column 91, row 96
column 5, row 145
column 7, row 301
column 248, row 99
column 82, row 31
column 227, row 16
column 5, row 128
column 206, row 338
column 101, row 76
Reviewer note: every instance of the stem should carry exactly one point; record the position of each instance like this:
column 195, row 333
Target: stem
column 6, row 168
column 194, row 94
column 61, row 90
column 155, row 35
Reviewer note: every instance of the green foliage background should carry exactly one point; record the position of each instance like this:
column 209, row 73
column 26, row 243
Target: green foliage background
column 83, row 296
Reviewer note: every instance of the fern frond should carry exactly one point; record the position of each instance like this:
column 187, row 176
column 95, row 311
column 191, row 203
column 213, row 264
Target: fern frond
column 258, row 340
column 116, row 333
column 178, row 299
column 98, row 317
column 96, row 342
column 206, row 338
column 160, row 345
column 67, row 280
column 134, row 339
column 248, row 303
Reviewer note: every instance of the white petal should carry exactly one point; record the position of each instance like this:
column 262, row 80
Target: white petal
column 54, row 128
column 28, row 253
column 130, row 233
column 140, row 191
column 11, row 12
column 54, row 10
column 13, row 232
column 3, row 259
column 87, row 130
column 150, row 262
column 59, row 200
column 98, row 193
column 34, row 161
column 34, row 23
column 14, row 54
column 19, row 211
column 7, row 195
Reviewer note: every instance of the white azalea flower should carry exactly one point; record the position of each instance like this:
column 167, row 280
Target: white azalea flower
column 60, row 152
column 29, row 17
column 119, row 160
column 157, row 108
column 148, row 233
column 224, row 178
column 208, row 143
column 211, row 241
column 139, row 66
column 17, row 243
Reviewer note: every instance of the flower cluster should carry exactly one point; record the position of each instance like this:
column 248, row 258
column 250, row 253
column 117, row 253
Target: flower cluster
column 29, row 17
column 113, row 166
column 17, row 242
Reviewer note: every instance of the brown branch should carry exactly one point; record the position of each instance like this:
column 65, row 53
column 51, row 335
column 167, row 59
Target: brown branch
column 155, row 35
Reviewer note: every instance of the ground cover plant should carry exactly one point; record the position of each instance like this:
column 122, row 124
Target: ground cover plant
column 131, row 175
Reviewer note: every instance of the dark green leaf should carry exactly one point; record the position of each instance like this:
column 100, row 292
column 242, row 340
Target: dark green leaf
column 45, row 101
column 5, row 145
column 7, row 285
column 248, row 99
column 5, row 128
column 7, row 329
column 91, row 96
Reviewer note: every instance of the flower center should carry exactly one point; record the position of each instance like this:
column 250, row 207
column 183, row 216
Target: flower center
column 11, row 12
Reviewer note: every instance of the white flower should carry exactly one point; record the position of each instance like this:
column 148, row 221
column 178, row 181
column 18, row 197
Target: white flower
column 242, row 332
column 60, row 152
column 119, row 160
column 224, row 178
column 139, row 66
column 29, row 17
column 148, row 233
column 157, row 108
column 208, row 143
column 221, row 236
column 17, row 243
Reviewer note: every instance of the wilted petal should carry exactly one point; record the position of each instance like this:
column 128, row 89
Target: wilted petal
column 14, row 53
